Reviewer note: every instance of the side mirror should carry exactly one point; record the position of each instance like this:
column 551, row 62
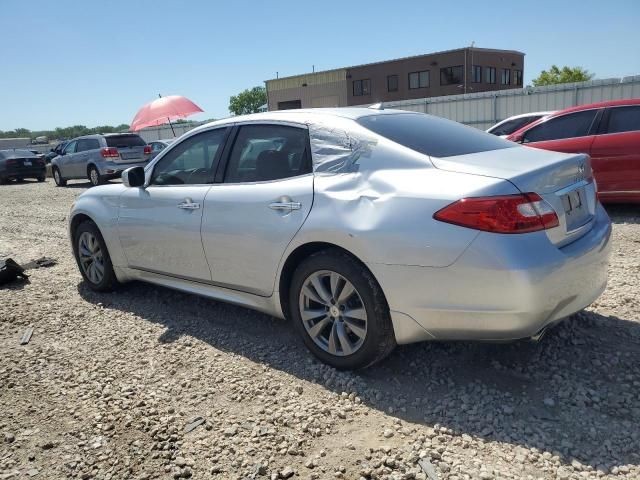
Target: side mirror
column 133, row 177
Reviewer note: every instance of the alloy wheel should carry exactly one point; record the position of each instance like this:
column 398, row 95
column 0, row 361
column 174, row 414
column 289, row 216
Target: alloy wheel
column 56, row 176
column 91, row 257
column 333, row 313
column 93, row 176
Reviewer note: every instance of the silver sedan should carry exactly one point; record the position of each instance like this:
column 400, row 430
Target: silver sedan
column 367, row 228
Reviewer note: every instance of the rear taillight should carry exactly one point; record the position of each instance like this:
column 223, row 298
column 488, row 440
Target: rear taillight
column 522, row 213
column 147, row 149
column 109, row 152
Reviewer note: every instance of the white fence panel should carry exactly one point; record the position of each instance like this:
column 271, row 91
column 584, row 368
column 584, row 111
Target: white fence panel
column 482, row 110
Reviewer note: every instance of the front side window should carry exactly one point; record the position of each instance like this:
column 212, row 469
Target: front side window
column 451, row 75
column 476, row 74
column 517, row 77
column 392, row 83
column 571, row 125
column 70, row 148
column 419, row 79
column 268, row 152
column 506, row 76
column 192, row 161
column 491, row 74
column 624, row 119
column 361, row 87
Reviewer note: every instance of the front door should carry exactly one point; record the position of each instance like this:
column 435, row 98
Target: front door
column 570, row 133
column 65, row 162
column 266, row 195
column 159, row 225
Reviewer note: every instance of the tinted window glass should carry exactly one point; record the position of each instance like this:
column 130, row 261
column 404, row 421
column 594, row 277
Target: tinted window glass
column 124, row 141
column 192, row 161
column 624, row 119
column 507, row 128
column 268, row 152
column 432, row 135
column 392, row 83
column 85, row 144
column 451, row 75
column 567, row 126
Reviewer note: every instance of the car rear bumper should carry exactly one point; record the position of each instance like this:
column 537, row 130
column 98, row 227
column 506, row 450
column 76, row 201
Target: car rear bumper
column 27, row 172
column 503, row 287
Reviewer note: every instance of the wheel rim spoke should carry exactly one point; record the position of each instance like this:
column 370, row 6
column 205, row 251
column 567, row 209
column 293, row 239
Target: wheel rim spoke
column 347, row 291
column 313, row 295
column 357, row 330
column 316, row 281
column 357, row 313
column 332, row 340
column 343, row 338
column 90, row 257
column 334, row 280
column 318, row 327
column 311, row 314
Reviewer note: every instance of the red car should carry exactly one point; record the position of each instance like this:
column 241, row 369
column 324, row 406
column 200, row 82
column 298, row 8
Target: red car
column 608, row 131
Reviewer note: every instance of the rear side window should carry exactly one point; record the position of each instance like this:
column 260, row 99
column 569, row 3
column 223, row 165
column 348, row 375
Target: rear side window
column 507, row 128
column 572, row 125
column 624, row 119
column 431, row 135
column 85, row 144
column 268, row 152
column 125, row 141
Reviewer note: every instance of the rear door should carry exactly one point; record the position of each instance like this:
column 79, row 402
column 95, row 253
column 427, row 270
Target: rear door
column 615, row 153
column 264, row 198
column 159, row 226
column 569, row 133
column 78, row 163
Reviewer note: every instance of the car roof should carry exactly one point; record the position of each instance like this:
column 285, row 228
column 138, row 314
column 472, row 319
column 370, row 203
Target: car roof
column 589, row 106
column 307, row 115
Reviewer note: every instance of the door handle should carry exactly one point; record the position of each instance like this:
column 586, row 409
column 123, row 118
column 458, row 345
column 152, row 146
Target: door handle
column 189, row 204
column 287, row 206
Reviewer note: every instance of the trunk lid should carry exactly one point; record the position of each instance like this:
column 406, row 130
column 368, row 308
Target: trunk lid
column 562, row 180
column 130, row 148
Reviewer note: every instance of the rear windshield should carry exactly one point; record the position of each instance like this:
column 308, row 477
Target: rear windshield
column 125, row 141
column 507, row 128
column 15, row 153
column 431, row 135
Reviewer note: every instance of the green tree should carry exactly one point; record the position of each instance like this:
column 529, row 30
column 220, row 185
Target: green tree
column 565, row 74
column 248, row 101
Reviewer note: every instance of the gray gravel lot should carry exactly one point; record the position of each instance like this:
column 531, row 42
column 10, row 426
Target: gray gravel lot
column 108, row 383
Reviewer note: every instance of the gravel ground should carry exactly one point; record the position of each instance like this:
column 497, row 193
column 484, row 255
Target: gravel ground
column 111, row 385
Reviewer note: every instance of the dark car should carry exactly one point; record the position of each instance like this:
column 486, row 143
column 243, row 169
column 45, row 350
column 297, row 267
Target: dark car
column 55, row 151
column 20, row 164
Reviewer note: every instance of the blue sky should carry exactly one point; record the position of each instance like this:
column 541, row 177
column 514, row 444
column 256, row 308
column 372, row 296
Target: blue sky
column 96, row 62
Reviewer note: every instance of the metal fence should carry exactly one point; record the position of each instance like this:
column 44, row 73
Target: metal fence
column 164, row 131
column 482, row 110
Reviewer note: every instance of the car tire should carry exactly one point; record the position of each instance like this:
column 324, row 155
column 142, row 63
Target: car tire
column 94, row 176
column 359, row 340
column 57, row 177
column 93, row 258
column 3, row 180
column 41, row 178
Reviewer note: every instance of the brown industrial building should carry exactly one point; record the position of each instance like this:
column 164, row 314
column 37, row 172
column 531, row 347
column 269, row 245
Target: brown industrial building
column 452, row 72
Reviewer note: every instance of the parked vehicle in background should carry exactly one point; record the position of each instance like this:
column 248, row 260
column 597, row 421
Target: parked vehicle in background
column 367, row 228
column 55, row 151
column 607, row 131
column 41, row 140
column 158, row 145
column 99, row 157
column 509, row 125
column 39, row 155
column 20, row 164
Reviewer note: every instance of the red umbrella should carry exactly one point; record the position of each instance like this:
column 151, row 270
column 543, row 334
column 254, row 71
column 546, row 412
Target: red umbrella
column 163, row 110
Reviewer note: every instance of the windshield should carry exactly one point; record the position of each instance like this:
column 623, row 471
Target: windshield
column 431, row 135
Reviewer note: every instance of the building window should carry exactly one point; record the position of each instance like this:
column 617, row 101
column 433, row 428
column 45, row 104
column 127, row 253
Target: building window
column 491, row 74
column 517, row 77
column 361, row 87
column 451, row 75
column 506, row 76
column 476, row 74
column 392, row 83
column 418, row 79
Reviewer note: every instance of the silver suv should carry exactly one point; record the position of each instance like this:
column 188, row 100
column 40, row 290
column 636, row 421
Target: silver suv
column 99, row 157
